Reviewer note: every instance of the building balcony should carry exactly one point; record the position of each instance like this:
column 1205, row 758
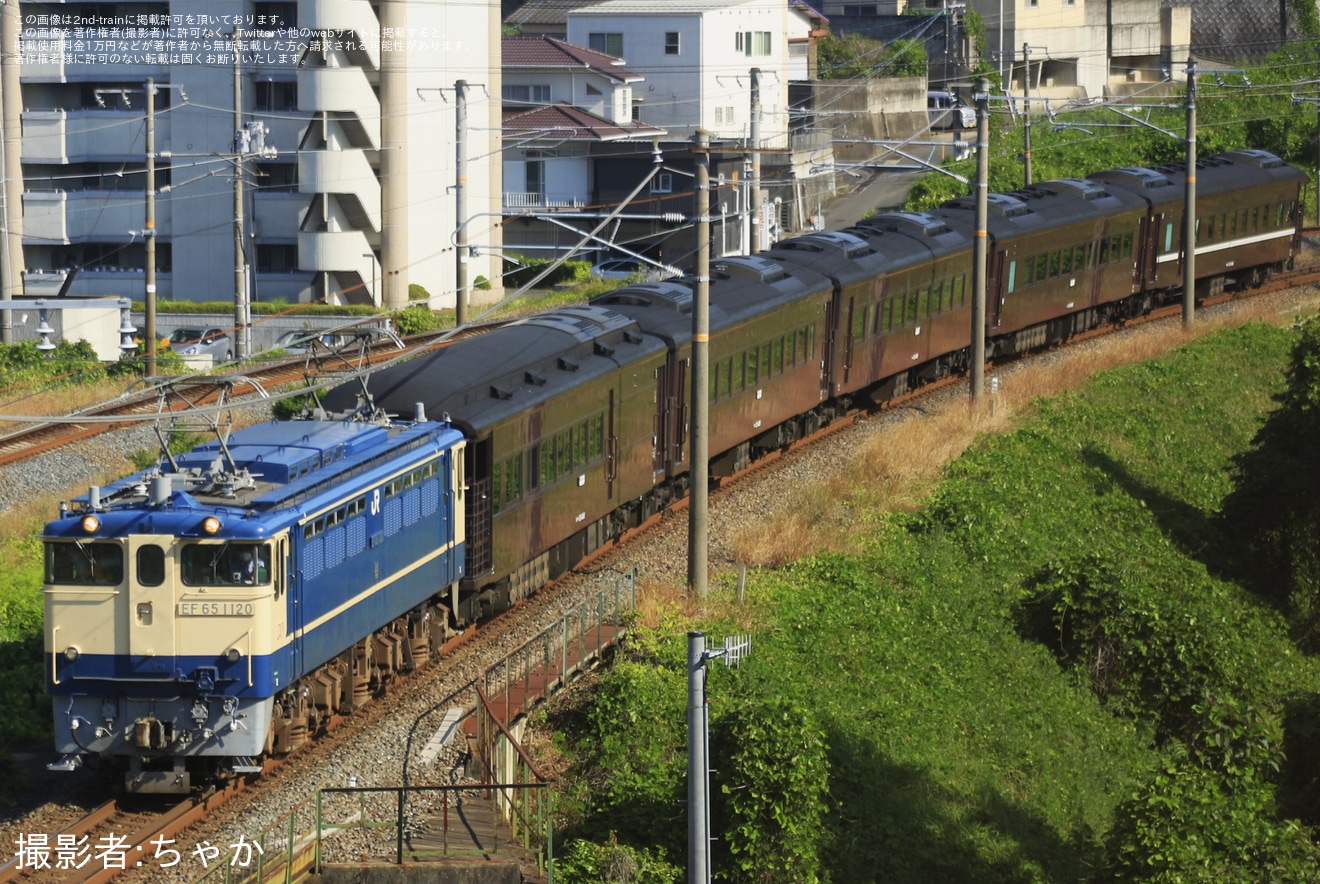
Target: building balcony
column 88, row 216
column 72, row 136
column 63, row 58
column 519, row 201
column 348, row 175
column 118, row 282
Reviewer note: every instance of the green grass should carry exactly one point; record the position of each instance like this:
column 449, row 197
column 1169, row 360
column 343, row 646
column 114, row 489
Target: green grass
column 972, row 734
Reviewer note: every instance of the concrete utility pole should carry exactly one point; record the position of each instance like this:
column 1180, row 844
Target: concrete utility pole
column 11, row 162
column 240, row 264
column 1189, row 204
column 1026, row 110
column 460, row 204
column 755, row 137
column 393, row 160
column 149, row 234
column 979, row 246
column 699, row 432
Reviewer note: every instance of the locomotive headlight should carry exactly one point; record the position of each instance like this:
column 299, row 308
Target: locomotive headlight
column 232, row 655
column 71, row 653
column 210, row 524
column 90, row 524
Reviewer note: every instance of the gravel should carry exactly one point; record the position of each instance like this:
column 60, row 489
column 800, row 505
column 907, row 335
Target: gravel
column 382, row 745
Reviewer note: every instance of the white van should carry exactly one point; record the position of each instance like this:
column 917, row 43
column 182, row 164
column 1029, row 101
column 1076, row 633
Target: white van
column 948, row 112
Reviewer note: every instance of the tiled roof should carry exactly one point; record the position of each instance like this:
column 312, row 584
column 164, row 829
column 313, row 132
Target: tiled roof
column 543, row 12
column 807, row 9
column 568, row 122
column 548, row 52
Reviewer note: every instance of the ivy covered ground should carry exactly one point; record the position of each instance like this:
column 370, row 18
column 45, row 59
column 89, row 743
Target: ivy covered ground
column 1060, row 669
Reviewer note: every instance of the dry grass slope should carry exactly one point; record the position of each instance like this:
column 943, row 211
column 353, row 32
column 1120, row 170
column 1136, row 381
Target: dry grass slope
column 895, row 470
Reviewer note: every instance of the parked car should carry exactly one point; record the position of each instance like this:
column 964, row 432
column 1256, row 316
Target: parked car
column 300, row 341
column 947, row 111
column 623, row 268
column 213, row 342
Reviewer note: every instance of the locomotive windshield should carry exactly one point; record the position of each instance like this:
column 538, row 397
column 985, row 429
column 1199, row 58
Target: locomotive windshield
column 88, row 564
column 229, row 564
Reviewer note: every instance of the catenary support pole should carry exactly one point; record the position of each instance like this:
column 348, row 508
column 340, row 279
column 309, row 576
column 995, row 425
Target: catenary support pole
column 149, row 234
column 1026, row 112
column 698, row 433
column 755, row 137
column 11, row 162
column 1189, row 204
column 394, row 158
column 698, row 814
column 240, row 266
column 460, row 204
column 979, row 254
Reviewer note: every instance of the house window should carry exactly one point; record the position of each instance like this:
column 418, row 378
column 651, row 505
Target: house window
column 671, row 43
column 752, row 42
column 610, row 44
column 859, row 10
column 663, row 182
column 277, row 177
column 277, row 258
column 535, row 181
column 272, row 96
column 527, row 94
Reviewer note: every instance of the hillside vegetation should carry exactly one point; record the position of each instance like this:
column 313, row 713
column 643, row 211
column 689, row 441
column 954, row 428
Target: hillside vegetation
column 1059, row 668
column 1233, row 111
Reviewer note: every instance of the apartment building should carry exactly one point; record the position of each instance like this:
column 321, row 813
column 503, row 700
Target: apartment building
column 339, row 118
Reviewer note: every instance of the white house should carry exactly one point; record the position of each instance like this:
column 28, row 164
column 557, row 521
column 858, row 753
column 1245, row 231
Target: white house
column 697, row 59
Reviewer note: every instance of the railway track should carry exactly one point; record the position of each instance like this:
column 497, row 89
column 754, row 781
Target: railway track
column 123, row 833
column 165, row 396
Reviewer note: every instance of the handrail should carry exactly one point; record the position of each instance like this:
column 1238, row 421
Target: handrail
column 522, row 753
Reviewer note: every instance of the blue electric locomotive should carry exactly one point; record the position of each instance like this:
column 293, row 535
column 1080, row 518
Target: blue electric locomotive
column 215, row 607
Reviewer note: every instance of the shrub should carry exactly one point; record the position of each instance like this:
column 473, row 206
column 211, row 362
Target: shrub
column 774, row 773
column 527, row 269
column 1275, row 508
column 415, row 320
column 417, row 292
column 587, row 863
column 1191, row 824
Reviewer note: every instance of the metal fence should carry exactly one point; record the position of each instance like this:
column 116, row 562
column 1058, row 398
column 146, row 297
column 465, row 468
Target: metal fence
column 359, row 823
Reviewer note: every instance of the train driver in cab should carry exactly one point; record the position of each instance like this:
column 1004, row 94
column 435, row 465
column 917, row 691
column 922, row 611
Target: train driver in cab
column 248, row 566
column 244, row 568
